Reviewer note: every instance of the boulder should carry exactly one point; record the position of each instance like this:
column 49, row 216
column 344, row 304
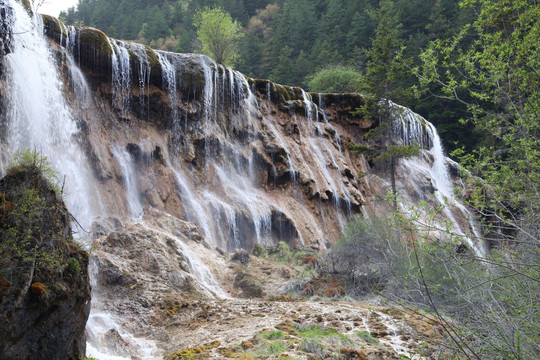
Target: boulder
column 44, row 283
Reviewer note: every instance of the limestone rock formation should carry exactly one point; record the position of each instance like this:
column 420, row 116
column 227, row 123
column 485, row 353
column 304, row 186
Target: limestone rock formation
column 45, row 290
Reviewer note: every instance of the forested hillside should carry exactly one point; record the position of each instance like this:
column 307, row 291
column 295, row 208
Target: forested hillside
column 289, row 41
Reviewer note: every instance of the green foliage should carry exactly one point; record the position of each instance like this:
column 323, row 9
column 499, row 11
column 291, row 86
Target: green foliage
column 34, row 238
column 28, row 158
column 18, row 239
column 381, row 83
column 496, row 77
column 366, row 336
column 219, row 34
column 309, row 330
column 334, row 79
column 491, row 68
column 277, row 347
column 273, row 335
column 74, row 267
column 491, row 299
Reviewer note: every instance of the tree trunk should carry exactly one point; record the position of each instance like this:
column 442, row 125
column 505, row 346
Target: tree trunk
column 393, row 181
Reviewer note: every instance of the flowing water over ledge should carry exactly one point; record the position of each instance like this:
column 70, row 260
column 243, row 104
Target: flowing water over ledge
column 148, row 138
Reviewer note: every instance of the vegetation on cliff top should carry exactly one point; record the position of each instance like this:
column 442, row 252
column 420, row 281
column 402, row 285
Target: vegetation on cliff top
column 218, row 35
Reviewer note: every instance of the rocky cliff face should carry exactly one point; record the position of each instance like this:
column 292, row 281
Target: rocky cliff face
column 172, row 161
column 248, row 161
column 44, row 284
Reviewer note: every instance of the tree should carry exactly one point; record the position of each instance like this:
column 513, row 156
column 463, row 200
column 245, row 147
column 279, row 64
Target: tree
column 379, row 85
column 497, row 78
column 284, row 70
column 492, row 68
column 219, row 34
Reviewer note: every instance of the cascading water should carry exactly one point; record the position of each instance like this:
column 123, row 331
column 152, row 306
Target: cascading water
column 411, row 128
column 39, row 118
column 121, row 74
column 130, row 181
column 323, row 164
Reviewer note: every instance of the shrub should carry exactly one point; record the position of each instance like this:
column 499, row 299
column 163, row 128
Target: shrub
column 334, row 79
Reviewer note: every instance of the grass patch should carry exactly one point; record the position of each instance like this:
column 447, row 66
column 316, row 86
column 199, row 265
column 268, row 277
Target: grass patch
column 314, row 330
column 366, row 337
column 273, row 335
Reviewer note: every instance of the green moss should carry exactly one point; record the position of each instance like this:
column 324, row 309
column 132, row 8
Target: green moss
column 54, row 24
column 285, row 93
column 221, row 69
column 153, row 59
column 297, row 93
column 97, row 39
column 73, row 267
column 27, row 6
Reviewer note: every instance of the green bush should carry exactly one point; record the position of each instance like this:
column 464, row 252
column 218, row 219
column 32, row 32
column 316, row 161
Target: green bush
column 366, row 337
column 334, row 79
column 28, row 158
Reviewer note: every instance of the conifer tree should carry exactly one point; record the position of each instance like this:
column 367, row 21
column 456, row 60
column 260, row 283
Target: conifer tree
column 379, row 85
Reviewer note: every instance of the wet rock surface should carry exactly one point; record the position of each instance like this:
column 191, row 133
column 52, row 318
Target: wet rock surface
column 303, row 330
column 44, row 283
column 148, row 282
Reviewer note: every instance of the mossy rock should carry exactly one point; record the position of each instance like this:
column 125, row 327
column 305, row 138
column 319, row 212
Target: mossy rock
column 251, row 287
column 192, row 75
column 153, row 59
column 37, row 255
column 97, row 39
column 192, row 353
column 285, row 93
column 27, row 6
column 52, row 24
column 297, row 93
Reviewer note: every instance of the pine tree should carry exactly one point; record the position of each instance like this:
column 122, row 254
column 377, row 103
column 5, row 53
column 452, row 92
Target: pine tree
column 379, row 85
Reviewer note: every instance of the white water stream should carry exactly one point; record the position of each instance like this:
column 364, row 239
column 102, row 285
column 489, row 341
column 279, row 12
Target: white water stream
column 39, row 117
column 413, row 129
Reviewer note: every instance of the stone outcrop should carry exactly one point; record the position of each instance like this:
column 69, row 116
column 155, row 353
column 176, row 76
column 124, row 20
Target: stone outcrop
column 44, row 283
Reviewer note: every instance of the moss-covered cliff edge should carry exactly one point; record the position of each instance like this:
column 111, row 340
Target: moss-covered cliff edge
column 44, row 282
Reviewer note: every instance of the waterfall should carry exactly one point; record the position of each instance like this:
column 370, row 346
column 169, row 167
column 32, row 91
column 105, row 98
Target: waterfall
column 411, row 128
column 38, row 116
column 130, row 181
column 314, row 142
